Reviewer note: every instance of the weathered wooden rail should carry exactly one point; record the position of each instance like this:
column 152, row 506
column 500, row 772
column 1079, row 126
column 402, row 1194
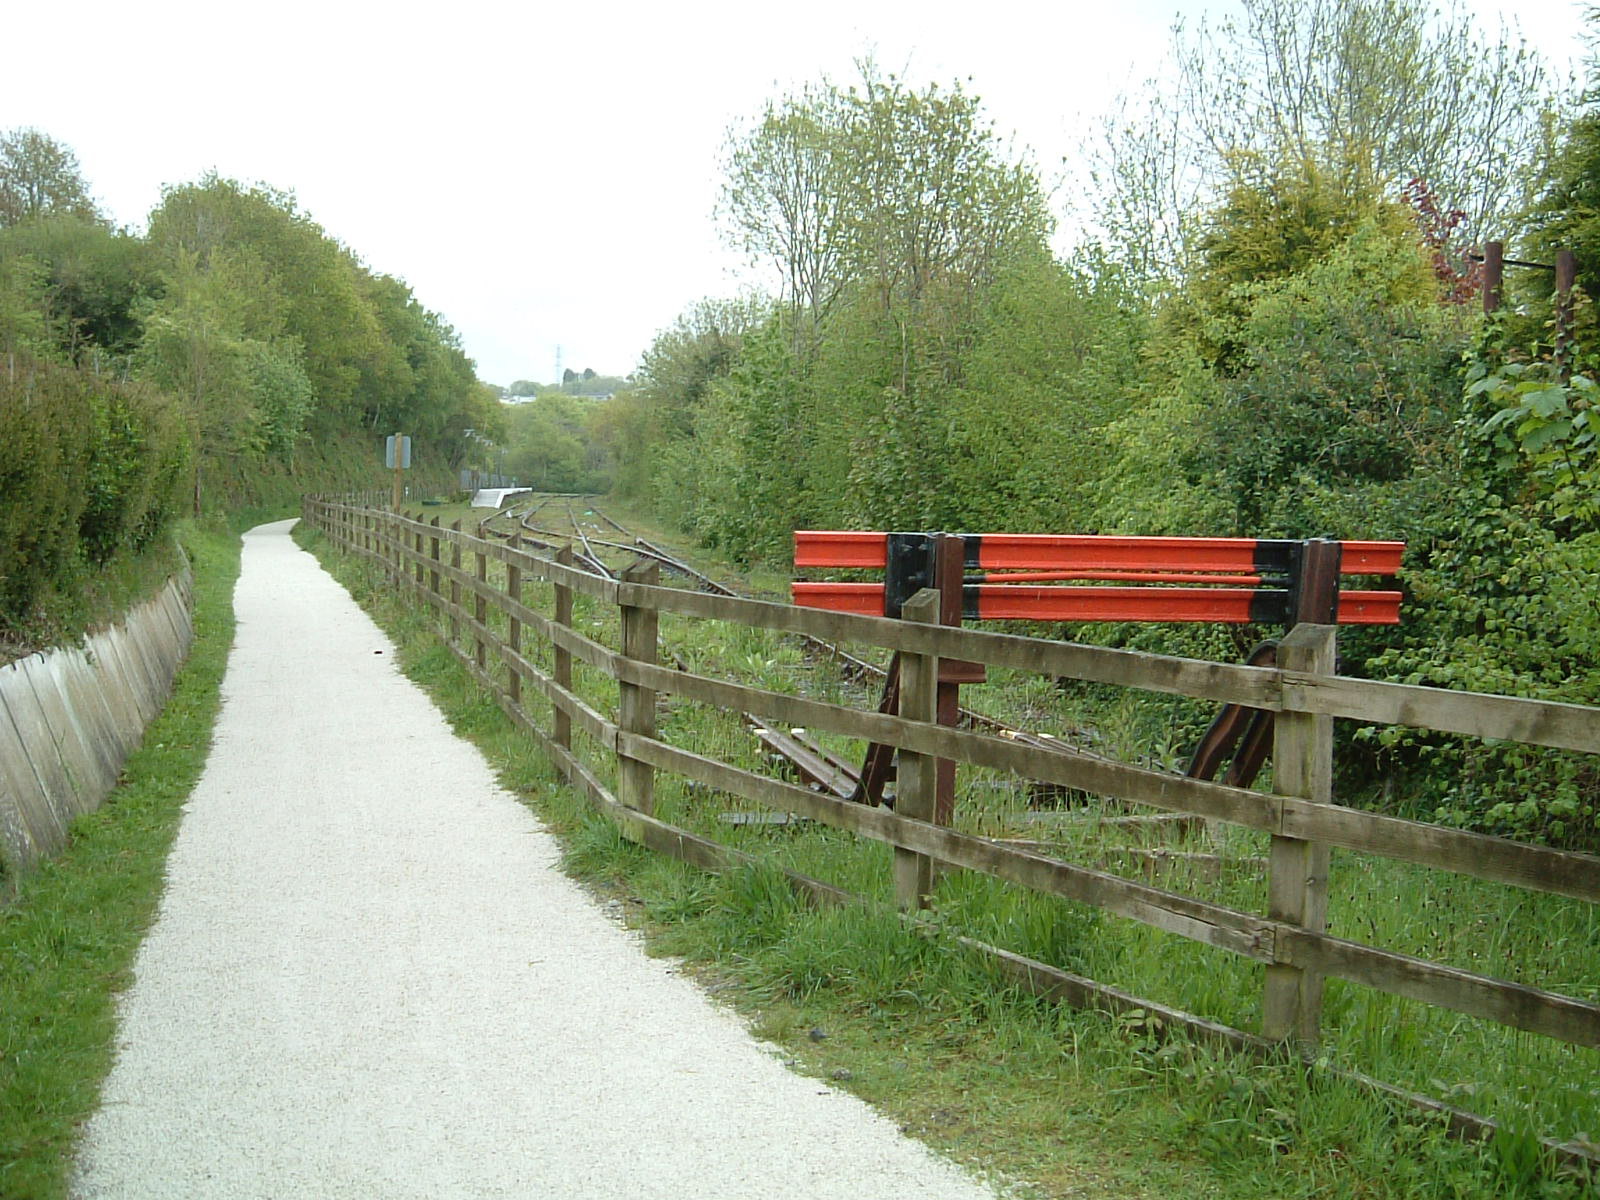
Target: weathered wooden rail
column 1290, row 939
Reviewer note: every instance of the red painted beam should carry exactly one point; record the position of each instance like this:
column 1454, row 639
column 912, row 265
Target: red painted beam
column 1021, row 602
column 1087, row 552
column 1122, row 577
column 1369, row 608
column 840, row 548
column 1090, row 552
column 863, row 598
column 1000, row 602
column 1370, row 558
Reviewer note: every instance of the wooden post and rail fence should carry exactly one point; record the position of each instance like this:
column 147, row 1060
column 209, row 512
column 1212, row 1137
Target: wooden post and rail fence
column 1303, row 691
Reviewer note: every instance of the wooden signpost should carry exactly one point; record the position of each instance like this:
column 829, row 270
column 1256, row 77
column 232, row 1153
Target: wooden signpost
column 397, row 457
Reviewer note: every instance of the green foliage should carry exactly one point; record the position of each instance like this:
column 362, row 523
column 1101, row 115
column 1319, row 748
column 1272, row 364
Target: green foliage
column 914, row 283
column 1372, row 93
column 90, row 283
column 901, row 189
column 1566, row 214
column 551, row 446
column 1348, row 381
column 39, row 177
column 89, row 468
column 1508, row 589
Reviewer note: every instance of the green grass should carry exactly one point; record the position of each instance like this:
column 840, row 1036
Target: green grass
column 69, row 933
column 1074, row 1103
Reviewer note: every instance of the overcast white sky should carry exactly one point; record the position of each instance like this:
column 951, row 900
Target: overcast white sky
column 543, row 176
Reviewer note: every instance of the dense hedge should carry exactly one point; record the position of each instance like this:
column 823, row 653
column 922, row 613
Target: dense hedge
column 88, row 467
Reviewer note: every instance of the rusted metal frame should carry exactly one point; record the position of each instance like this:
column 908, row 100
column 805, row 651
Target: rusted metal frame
column 878, row 767
column 939, row 561
column 1245, row 733
column 1241, row 734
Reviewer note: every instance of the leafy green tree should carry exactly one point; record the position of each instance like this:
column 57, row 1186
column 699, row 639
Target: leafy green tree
column 40, row 177
column 91, row 283
column 551, row 446
column 1371, row 93
column 787, row 199
column 649, row 429
column 305, row 286
column 194, row 349
column 879, row 184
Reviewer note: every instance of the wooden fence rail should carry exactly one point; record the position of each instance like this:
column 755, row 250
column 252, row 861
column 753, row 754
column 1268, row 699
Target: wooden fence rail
column 1303, row 822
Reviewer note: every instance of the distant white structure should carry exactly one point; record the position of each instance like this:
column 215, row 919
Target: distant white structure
column 495, row 497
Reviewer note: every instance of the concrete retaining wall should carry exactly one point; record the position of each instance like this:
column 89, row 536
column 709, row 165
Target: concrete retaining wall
column 69, row 718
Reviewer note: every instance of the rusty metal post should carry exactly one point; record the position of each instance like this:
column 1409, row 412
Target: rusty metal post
column 1494, row 276
column 1566, row 279
column 1316, row 594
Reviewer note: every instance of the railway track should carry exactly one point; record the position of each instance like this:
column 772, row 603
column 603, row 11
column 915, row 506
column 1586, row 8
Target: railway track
column 808, row 758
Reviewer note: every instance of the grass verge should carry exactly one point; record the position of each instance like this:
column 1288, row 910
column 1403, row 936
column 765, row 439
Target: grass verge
column 69, row 934
column 1074, row 1103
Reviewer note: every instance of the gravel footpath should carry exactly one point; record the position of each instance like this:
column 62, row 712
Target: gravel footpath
column 369, row 978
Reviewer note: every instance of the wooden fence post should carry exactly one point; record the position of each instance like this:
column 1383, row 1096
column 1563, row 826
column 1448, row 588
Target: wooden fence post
column 636, row 710
column 396, row 558
column 455, row 585
column 433, row 567
column 391, row 548
column 514, row 626
column 1297, row 888
column 561, row 724
column 480, row 606
column 917, row 775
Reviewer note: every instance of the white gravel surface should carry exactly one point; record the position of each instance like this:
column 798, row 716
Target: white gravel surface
column 369, row 978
